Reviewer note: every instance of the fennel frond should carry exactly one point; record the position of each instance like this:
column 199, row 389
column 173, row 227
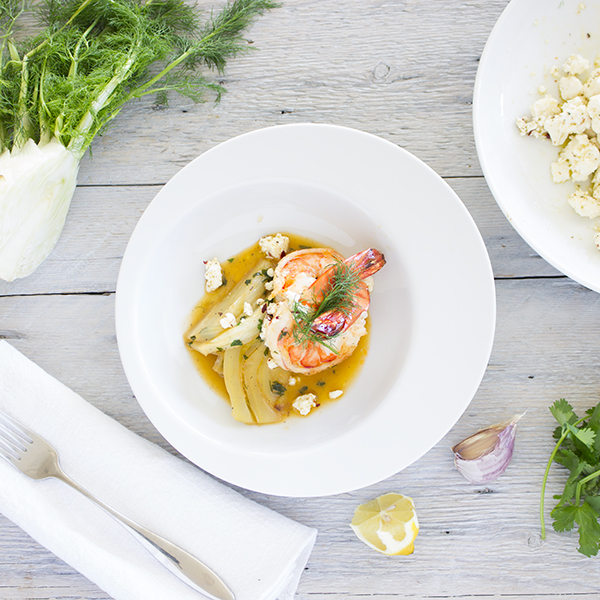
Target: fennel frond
column 61, row 87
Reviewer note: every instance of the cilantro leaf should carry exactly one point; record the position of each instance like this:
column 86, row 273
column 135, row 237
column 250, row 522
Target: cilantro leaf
column 567, row 458
column 563, row 412
column 589, row 530
column 585, row 435
column 578, row 450
column 565, row 518
column 594, row 502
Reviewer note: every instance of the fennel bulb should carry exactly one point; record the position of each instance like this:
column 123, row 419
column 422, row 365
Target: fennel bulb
column 62, row 87
column 36, row 186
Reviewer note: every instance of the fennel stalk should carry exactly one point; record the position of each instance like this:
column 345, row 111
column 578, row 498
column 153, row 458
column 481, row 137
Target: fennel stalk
column 60, row 88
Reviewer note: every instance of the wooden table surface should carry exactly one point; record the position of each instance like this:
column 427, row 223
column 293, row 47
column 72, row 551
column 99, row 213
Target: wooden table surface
column 403, row 70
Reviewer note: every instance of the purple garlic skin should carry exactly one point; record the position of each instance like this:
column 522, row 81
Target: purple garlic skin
column 484, row 456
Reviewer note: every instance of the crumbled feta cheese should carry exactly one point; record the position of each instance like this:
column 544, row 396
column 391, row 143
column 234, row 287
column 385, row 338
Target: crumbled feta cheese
column 545, row 107
column 592, row 86
column 260, row 301
column 360, row 325
column 584, row 204
column 274, row 245
column 227, row 320
column 213, row 275
column 304, row 404
column 529, row 127
column 593, row 108
column 569, row 86
column 248, row 310
column 573, row 123
column 335, row 394
column 292, row 381
column 560, row 171
column 581, row 156
column 575, row 64
column 542, row 90
column 541, row 110
column 573, row 119
column 271, row 363
column 291, row 297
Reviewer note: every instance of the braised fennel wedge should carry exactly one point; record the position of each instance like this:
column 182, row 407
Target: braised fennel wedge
column 63, row 86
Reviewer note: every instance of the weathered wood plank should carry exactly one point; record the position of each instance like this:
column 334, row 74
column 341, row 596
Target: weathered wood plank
column 401, row 69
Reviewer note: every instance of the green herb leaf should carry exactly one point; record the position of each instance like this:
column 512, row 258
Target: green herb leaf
column 236, row 343
column 563, row 411
column 585, row 436
column 565, row 518
column 72, row 79
column 577, row 450
column 277, row 388
column 339, row 295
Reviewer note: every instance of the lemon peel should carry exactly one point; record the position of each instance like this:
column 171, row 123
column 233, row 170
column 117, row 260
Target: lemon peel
column 387, row 524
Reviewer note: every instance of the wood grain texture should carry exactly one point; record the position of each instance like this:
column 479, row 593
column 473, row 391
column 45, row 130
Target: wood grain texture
column 401, row 69
column 404, row 70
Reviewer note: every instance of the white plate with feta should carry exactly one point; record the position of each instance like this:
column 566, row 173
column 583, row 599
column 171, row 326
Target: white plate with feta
column 521, row 64
column 432, row 309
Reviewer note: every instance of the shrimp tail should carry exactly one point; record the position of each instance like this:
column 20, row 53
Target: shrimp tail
column 367, row 262
column 329, row 324
column 333, row 322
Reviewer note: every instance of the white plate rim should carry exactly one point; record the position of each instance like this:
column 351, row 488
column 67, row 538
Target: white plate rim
column 353, row 448
column 520, row 13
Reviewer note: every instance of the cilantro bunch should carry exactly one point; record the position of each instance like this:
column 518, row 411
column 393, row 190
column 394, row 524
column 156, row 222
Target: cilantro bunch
column 578, row 449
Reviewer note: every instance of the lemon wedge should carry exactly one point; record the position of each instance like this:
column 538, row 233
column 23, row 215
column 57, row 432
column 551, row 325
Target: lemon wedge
column 388, row 524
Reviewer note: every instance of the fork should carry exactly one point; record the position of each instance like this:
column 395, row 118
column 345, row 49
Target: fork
column 37, row 459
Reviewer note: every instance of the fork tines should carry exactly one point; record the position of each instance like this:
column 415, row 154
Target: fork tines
column 13, row 439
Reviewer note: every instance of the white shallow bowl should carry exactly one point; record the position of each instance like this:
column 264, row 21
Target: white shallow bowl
column 531, row 37
column 432, row 310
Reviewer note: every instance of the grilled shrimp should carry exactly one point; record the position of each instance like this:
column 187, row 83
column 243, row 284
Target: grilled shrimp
column 301, row 282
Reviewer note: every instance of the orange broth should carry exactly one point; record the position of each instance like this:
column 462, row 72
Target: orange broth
column 321, row 384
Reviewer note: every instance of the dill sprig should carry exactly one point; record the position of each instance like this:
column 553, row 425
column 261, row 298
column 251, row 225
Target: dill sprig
column 93, row 56
column 339, row 296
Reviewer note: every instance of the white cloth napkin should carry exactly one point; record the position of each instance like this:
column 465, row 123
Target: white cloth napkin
column 257, row 552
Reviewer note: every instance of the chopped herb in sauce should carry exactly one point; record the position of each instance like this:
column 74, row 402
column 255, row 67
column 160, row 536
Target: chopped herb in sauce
column 277, row 388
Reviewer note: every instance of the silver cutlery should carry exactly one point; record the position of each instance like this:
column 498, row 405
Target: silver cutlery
column 37, row 459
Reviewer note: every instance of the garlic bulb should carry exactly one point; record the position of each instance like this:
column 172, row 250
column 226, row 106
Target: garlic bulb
column 484, row 456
